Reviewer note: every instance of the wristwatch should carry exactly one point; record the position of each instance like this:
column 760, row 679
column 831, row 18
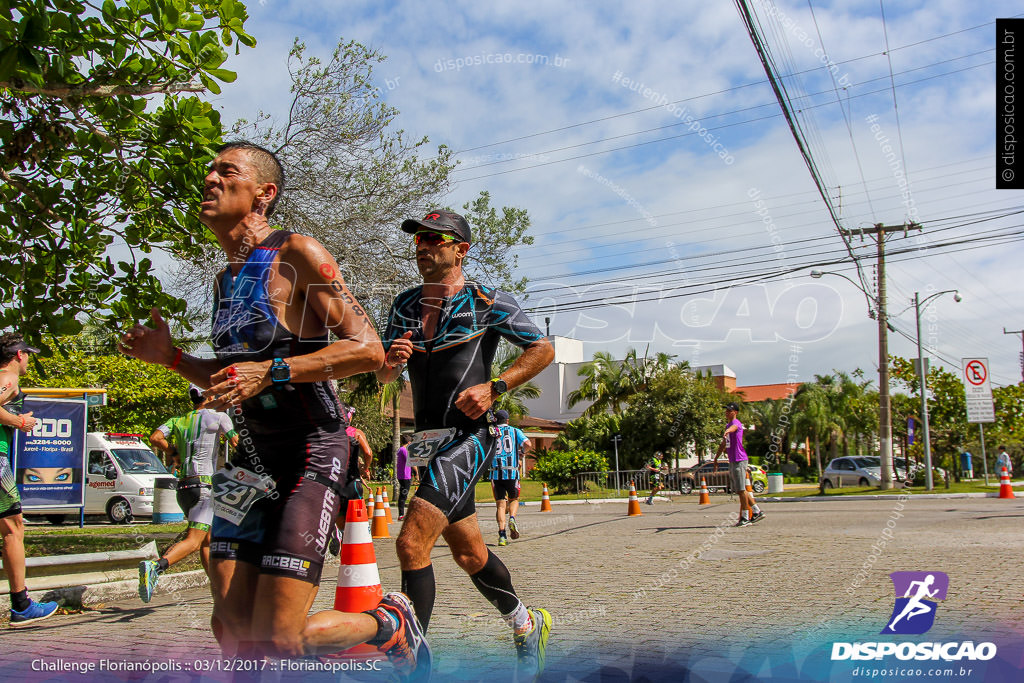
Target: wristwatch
column 499, row 386
column 280, row 373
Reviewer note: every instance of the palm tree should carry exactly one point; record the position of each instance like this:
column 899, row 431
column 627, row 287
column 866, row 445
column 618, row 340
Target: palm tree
column 812, row 418
column 606, row 384
column 512, row 400
column 767, row 416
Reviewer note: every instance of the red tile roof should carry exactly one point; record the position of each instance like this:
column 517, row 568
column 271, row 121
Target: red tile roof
column 756, row 393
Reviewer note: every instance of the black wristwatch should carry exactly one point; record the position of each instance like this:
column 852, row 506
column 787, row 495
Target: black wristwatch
column 499, row 386
column 280, row 373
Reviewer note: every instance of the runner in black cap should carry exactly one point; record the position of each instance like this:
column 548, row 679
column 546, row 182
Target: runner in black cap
column 448, row 330
column 732, row 446
column 13, row 364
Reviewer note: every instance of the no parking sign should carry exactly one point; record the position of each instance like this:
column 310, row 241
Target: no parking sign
column 978, row 390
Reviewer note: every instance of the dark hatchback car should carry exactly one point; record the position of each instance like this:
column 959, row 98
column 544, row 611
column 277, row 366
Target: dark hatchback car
column 716, row 476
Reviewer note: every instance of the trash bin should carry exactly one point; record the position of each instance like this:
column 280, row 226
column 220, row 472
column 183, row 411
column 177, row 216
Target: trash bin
column 774, row 482
column 165, row 501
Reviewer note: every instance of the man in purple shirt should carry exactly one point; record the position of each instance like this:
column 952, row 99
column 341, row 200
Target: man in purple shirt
column 732, row 444
column 404, row 474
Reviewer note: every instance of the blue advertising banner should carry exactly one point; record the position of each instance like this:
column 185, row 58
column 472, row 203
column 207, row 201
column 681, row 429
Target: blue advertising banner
column 49, row 462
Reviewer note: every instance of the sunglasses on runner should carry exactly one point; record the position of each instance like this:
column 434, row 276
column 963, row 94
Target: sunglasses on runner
column 431, row 238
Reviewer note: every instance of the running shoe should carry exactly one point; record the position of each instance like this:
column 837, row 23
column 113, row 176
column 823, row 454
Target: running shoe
column 36, row 611
column 530, row 647
column 502, row 540
column 513, row 528
column 149, row 574
column 743, row 522
column 407, row 649
column 650, row 501
column 758, row 516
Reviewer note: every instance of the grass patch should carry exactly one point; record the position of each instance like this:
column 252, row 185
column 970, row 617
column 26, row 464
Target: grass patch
column 70, row 540
column 954, row 487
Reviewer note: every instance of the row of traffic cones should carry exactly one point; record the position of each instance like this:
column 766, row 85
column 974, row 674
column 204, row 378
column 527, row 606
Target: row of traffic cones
column 380, row 513
column 705, row 499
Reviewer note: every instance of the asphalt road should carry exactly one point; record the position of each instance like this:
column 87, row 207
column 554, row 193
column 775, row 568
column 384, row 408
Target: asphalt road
column 676, row 590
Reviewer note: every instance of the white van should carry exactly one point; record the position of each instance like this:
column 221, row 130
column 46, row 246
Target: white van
column 119, row 474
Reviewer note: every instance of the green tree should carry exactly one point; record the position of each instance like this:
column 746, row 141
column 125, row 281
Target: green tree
column 769, row 440
column 590, row 433
column 947, row 409
column 140, row 397
column 101, row 144
column 512, row 401
column 679, row 411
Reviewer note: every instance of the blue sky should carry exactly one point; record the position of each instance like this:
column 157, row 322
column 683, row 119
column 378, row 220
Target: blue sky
column 675, row 201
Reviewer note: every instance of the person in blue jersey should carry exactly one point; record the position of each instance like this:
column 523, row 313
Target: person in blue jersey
column 285, row 326
column 505, row 475
column 446, row 332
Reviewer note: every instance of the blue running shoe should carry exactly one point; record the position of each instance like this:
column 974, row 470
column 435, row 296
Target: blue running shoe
column 530, row 647
column 407, row 649
column 149, row 574
column 36, row 611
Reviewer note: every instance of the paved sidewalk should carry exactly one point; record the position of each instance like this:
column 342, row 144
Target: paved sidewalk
column 630, row 593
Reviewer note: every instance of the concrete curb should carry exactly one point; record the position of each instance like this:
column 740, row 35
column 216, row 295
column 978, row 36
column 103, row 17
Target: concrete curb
column 94, row 594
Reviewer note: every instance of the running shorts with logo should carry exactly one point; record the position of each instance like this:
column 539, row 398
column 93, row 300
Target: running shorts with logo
column 287, row 533
column 195, row 498
column 449, row 481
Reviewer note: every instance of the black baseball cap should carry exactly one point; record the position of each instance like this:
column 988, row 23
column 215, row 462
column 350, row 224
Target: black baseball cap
column 440, row 221
column 732, row 406
column 195, row 394
column 20, row 346
column 501, row 416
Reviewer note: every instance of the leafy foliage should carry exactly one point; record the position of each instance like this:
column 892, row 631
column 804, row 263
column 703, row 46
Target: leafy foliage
column 140, row 397
column 677, row 411
column 558, row 469
column 101, row 146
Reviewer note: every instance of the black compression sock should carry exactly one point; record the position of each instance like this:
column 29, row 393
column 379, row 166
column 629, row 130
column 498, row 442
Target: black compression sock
column 418, row 584
column 495, row 583
column 162, row 564
column 20, row 601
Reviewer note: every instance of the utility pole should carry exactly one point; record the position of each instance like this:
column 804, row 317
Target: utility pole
column 1021, row 333
column 879, row 232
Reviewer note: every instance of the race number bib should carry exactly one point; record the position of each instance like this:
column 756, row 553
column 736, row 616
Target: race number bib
column 235, row 490
column 425, row 445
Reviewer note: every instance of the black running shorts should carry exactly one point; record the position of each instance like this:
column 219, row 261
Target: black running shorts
column 287, row 533
column 449, row 481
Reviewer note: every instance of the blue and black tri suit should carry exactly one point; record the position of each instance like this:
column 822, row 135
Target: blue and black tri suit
column 295, row 434
column 469, row 327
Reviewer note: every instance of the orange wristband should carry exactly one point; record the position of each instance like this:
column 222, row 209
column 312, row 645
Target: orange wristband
column 176, row 361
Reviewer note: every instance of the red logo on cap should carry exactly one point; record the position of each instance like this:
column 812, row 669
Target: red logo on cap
column 432, row 217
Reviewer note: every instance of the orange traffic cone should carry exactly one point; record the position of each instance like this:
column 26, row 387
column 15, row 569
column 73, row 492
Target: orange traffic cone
column 1005, row 487
column 545, row 502
column 705, row 499
column 379, row 526
column 634, row 502
column 359, row 586
column 387, row 508
column 750, row 489
column 369, row 506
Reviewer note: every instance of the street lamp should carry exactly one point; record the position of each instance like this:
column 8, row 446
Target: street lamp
column 922, row 373
column 884, row 416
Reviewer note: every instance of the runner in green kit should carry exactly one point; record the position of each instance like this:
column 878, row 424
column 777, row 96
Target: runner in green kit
column 195, row 438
